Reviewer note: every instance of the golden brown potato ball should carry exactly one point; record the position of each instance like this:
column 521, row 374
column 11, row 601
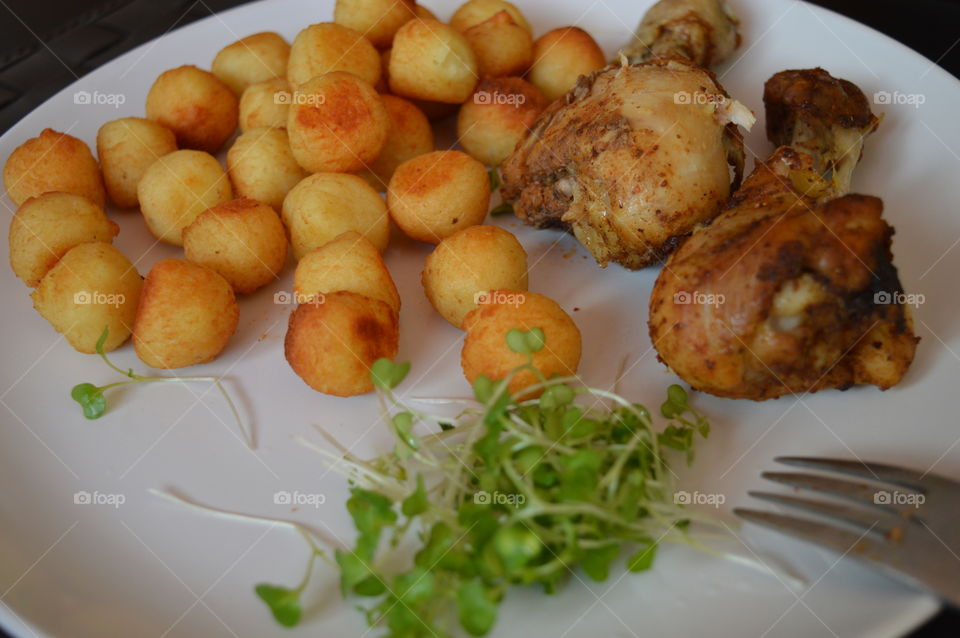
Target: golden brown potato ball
column 92, row 287
column 331, row 345
column 560, row 57
column 201, row 110
column 502, row 46
column 378, row 20
column 252, row 59
column 127, row 147
column 325, row 205
column 53, row 161
column 44, row 228
column 337, row 122
column 467, row 264
column 497, row 117
column 187, row 313
column 326, row 47
column 178, row 187
column 485, row 349
column 243, row 240
column 432, row 61
column 424, row 13
column 434, row 195
column 474, row 12
column 262, row 167
column 409, row 135
column 348, row 262
column 265, row 104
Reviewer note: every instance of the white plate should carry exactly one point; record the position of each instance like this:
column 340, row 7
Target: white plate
column 151, row 568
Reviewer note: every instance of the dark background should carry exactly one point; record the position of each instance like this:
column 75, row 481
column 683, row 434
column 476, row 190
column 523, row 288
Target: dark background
column 85, row 34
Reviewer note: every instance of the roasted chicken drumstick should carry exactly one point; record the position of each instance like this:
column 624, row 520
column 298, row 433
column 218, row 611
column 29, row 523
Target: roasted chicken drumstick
column 792, row 288
column 636, row 155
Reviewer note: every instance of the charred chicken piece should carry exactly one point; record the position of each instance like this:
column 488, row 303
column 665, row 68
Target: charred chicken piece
column 702, row 31
column 791, row 289
column 635, row 156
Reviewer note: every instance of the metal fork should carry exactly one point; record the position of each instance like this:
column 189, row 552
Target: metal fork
column 905, row 523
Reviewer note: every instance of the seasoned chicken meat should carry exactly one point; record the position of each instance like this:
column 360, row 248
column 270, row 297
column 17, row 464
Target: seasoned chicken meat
column 702, row 31
column 636, row 155
column 792, row 288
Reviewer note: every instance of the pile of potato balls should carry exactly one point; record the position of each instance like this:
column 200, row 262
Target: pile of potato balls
column 327, row 124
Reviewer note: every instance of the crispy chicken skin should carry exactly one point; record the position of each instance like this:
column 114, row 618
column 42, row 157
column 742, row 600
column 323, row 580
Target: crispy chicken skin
column 791, row 289
column 624, row 164
column 636, row 155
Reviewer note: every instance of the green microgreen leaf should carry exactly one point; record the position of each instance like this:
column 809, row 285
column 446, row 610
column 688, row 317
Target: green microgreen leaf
column 494, row 179
column 387, row 375
column 503, row 208
column 284, row 603
column 643, row 559
column 90, row 398
column 478, row 612
column 417, row 502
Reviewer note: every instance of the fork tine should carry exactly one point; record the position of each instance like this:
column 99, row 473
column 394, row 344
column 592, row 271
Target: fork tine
column 864, row 520
column 879, row 472
column 834, row 538
column 853, row 491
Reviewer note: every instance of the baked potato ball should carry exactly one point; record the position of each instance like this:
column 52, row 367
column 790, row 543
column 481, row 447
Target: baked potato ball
column 497, row 117
column 474, row 12
column 201, row 110
column 560, row 57
column 409, row 135
column 243, row 240
column 348, row 262
column 332, row 345
column 337, row 122
column 265, row 104
column 378, row 20
column 52, row 161
column 255, row 58
column 126, row 148
column 502, row 46
column 467, row 264
column 44, row 228
column 326, row 47
column 485, row 350
column 432, row 61
column 186, row 315
column 261, row 166
column 325, row 205
column 434, row 195
column 92, row 287
column 178, row 187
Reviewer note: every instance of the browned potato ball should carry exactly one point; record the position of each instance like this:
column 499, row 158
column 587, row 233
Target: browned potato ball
column 474, row 12
column 53, row 161
column 243, row 240
column 187, row 313
column 337, row 122
column 324, row 205
column 502, row 46
column 424, row 13
column 331, row 345
column 434, row 195
column 201, row 110
column 265, row 104
column 378, row 20
column 127, row 147
column 178, row 187
column 252, row 59
column 44, row 228
column 262, row 167
column 91, row 288
column 349, row 262
column 409, row 135
column 560, row 57
column 432, row 61
column 497, row 117
column 326, row 47
column 467, row 264
column 485, row 350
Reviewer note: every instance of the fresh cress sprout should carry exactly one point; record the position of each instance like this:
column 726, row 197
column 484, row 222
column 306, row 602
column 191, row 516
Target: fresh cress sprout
column 504, row 208
column 93, row 402
column 519, row 491
column 494, row 179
